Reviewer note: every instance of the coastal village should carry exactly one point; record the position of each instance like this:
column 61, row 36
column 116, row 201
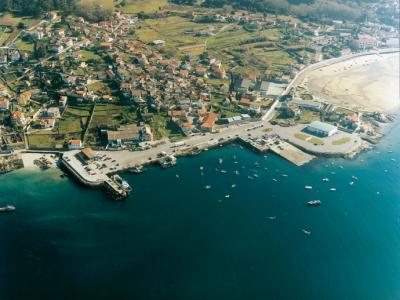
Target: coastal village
column 118, row 94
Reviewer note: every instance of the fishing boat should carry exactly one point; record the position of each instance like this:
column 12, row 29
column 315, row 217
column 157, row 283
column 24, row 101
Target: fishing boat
column 314, row 203
column 136, row 170
column 167, row 161
column 308, row 187
column 7, row 208
column 123, row 184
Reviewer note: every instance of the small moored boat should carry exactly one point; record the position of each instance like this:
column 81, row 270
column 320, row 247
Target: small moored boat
column 314, row 203
column 7, row 208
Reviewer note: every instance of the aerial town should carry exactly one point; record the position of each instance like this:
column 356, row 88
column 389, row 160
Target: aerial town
column 134, row 89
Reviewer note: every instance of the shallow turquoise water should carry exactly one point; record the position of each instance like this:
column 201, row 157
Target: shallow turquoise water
column 173, row 239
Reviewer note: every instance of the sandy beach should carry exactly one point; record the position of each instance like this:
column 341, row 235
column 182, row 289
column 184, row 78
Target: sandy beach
column 368, row 83
column 29, row 158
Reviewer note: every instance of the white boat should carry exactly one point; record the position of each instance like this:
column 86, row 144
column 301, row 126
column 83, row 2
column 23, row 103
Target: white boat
column 325, row 179
column 332, row 189
column 272, row 217
column 121, row 183
column 167, row 161
column 220, row 161
column 233, row 185
column 274, row 180
column 351, row 182
column 7, row 208
column 308, row 187
column 306, row 232
column 223, row 171
column 136, row 170
column 237, row 172
column 314, row 203
column 207, row 187
column 227, row 196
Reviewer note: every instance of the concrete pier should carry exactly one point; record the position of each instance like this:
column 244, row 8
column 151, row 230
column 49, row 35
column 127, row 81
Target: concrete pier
column 291, row 153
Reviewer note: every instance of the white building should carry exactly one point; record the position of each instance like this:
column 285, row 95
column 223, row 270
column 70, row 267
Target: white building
column 321, row 129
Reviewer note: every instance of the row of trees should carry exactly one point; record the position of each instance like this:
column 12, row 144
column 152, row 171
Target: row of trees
column 313, row 9
column 37, row 8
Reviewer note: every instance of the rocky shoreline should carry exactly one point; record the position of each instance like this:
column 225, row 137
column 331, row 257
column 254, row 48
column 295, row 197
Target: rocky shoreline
column 9, row 163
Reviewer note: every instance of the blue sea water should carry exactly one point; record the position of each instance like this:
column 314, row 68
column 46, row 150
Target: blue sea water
column 174, row 239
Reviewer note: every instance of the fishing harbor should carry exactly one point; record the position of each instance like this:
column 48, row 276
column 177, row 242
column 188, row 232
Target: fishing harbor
column 97, row 169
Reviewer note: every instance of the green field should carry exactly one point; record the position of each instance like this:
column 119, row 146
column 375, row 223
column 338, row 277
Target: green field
column 172, row 30
column 112, row 115
column 70, row 126
column 162, row 128
column 307, row 116
column 11, row 20
column 301, row 136
column 24, row 46
column 341, row 141
column 88, row 55
column 104, row 3
column 99, row 87
column 309, row 138
column 146, row 6
column 5, row 33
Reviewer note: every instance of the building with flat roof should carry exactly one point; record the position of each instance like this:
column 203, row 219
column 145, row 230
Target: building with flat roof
column 321, row 129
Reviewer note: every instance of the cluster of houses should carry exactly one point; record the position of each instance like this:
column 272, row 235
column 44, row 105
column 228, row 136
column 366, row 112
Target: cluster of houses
column 152, row 81
column 11, row 55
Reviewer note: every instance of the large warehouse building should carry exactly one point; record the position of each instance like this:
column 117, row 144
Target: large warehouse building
column 321, row 129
